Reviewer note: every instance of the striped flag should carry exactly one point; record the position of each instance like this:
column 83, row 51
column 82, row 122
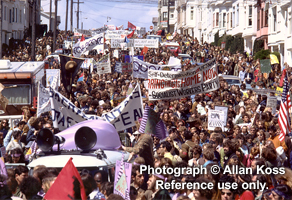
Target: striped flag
column 152, row 124
column 31, row 151
column 80, row 78
column 284, row 121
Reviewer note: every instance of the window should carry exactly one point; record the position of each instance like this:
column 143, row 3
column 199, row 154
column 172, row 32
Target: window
column 20, row 16
column 192, row 8
column 165, row 2
column 192, row 14
column 258, row 24
column 18, row 95
column 227, row 20
column 15, row 14
column 10, row 16
column 262, row 11
column 224, row 19
column 250, row 15
column 266, row 18
column 233, row 17
column 237, row 15
column 275, row 21
column 217, row 19
column 213, row 19
column 164, row 16
column 5, row 13
column 171, row 15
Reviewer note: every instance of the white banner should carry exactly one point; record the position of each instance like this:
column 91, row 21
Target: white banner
column 175, row 85
column 87, row 45
column 64, row 112
column 50, row 75
column 128, row 111
column 116, row 43
column 87, row 63
column 215, row 119
column 104, row 65
column 43, row 104
column 150, row 43
column 140, row 68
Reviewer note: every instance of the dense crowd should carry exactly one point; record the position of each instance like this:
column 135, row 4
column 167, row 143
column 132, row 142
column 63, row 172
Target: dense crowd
column 250, row 138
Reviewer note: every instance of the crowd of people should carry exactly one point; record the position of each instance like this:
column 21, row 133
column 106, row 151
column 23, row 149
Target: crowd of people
column 250, row 138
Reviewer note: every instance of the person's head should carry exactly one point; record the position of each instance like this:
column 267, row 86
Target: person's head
column 281, row 192
column 30, row 186
column 285, row 178
column 98, row 179
column 203, row 136
column 16, row 134
column 197, row 151
column 164, row 148
column 48, row 181
column 133, row 193
column 137, row 178
column 227, row 194
column 257, row 162
column 200, row 193
column 156, row 140
column 188, row 135
column 21, row 124
column 17, row 156
column 151, row 183
column 208, row 152
column 21, row 172
column 40, row 172
column 88, row 182
column 272, row 131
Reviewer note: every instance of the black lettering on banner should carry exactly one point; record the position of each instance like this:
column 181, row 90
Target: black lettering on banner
column 62, row 120
column 124, row 118
column 69, row 120
column 64, row 100
column 137, row 115
column 138, row 94
column 110, row 118
column 57, row 97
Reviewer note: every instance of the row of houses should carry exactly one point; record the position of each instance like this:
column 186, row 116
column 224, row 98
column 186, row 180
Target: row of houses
column 18, row 17
column 268, row 20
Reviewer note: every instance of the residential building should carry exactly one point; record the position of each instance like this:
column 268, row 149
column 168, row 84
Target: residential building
column 262, row 20
column 45, row 20
column 163, row 14
column 17, row 17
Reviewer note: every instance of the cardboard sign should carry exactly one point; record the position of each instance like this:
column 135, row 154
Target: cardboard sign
column 215, row 119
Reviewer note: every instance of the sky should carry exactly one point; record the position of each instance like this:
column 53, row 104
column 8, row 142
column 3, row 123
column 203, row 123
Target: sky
column 95, row 13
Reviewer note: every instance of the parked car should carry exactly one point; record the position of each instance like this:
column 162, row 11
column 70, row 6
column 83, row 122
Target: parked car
column 187, row 56
column 173, row 47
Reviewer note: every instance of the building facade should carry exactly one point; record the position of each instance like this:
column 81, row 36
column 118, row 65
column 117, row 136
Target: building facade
column 267, row 20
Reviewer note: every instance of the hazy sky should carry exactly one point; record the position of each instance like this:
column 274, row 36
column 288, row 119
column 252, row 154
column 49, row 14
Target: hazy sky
column 97, row 12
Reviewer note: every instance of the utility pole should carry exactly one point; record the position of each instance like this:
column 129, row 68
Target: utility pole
column 168, row 5
column 71, row 20
column 33, row 30
column 66, row 16
column 1, row 16
column 78, row 14
column 55, row 26
column 50, row 26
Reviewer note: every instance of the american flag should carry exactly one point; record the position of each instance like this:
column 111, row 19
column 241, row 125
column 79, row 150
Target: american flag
column 283, row 120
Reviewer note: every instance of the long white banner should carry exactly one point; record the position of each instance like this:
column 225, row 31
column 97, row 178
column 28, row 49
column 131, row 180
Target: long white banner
column 174, row 85
column 64, row 112
column 129, row 111
column 87, row 45
column 116, row 43
column 150, row 43
column 140, row 68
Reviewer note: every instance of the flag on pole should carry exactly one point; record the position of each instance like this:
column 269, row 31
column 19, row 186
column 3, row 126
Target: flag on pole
column 63, row 187
column 144, row 51
column 31, row 151
column 152, row 124
column 126, row 40
column 284, row 120
column 131, row 26
column 80, row 77
column 131, row 34
column 82, row 38
column 274, row 59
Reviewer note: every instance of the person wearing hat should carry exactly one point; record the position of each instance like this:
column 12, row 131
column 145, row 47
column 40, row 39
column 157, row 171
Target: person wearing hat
column 143, row 148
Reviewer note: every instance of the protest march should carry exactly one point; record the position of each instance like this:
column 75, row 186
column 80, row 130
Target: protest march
column 125, row 117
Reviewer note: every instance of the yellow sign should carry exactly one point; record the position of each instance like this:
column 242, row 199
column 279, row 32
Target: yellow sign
column 274, row 59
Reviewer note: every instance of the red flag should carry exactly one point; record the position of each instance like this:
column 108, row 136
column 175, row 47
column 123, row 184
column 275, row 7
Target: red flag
column 131, row 34
column 282, row 78
column 144, row 51
column 131, row 26
column 63, row 185
column 117, row 28
column 82, row 38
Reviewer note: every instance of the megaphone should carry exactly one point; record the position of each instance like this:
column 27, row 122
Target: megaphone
column 85, row 138
column 46, row 140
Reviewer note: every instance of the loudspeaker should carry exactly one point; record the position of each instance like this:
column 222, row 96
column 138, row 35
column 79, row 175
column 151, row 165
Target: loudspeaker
column 85, row 138
column 46, row 140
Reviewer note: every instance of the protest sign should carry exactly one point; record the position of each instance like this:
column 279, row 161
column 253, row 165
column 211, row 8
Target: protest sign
column 215, row 119
column 129, row 58
column 50, row 75
column 87, row 45
column 116, row 43
column 150, row 43
column 140, row 68
column 64, row 112
column 116, row 53
column 128, row 112
column 126, row 68
column 265, row 66
column 225, row 110
column 248, row 125
column 122, row 181
column 104, row 65
column 174, row 61
column 118, row 67
column 43, row 104
column 272, row 102
column 175, row 85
